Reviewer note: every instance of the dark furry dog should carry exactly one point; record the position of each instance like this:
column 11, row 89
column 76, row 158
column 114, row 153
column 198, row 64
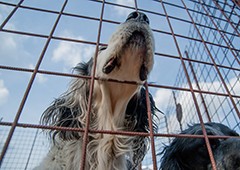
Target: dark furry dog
column 115, row 106
column 192, row 154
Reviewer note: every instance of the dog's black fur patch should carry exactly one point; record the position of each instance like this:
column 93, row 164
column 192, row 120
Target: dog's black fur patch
column 191, row 153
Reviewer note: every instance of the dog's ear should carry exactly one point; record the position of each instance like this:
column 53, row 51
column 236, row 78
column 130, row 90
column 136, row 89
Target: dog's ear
column 222, row 129
column 84, row 68
column 177, row 155
column 66, row 110
column 227, row 154
column 137, row 111
column 137, row 120
column 186, row 153
column 169, row 160
column 59, row 114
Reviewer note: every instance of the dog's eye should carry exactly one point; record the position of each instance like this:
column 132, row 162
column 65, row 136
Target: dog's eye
column 101, row 48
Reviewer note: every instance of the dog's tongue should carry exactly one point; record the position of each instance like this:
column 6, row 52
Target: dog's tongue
column 110, row 65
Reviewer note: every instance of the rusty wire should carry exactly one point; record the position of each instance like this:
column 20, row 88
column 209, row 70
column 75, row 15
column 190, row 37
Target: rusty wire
column 18, row 114
column 192, row 93
column 85, row 137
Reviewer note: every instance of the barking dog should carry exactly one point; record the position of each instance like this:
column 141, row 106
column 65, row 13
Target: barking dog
column 192, row 154
column 115, row 106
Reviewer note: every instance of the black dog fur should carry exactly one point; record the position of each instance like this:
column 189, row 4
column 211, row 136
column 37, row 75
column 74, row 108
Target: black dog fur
column 192, row 154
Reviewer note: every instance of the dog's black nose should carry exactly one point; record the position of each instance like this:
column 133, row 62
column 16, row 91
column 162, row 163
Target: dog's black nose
column 138, row 16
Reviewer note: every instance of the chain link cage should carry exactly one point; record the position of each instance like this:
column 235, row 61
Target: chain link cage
column 195, row 79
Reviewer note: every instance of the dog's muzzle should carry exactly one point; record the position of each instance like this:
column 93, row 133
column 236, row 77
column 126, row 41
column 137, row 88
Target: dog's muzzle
column 136, row 34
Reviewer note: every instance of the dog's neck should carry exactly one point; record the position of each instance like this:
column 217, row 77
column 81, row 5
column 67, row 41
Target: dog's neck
column 110, row 103
column 112, row 99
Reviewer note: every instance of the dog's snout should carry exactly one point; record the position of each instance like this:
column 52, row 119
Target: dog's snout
column 138, row 16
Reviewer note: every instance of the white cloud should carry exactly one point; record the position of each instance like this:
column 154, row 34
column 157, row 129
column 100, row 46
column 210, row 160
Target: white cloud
column 31, row 66
column 11, row 44
column 4, row 93
column 41, row 78
column 236, row 88
column 72, row 53
column 162, row 97
column 123, row 11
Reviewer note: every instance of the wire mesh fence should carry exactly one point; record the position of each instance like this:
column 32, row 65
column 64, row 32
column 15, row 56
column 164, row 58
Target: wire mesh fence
column 196, row 65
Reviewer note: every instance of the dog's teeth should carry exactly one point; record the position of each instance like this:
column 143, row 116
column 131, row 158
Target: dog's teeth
column 143, row 73
column 110, row 65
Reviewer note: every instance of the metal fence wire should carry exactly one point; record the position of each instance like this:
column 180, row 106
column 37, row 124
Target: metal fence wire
column 195, row 79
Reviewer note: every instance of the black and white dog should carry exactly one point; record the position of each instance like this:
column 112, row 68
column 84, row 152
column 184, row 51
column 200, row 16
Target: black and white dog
column 115, row 106
column 192, row 154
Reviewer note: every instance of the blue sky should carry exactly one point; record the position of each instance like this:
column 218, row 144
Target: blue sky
column 61, row 56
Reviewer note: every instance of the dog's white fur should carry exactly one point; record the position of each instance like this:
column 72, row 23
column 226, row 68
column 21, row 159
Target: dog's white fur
column 110, row 99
